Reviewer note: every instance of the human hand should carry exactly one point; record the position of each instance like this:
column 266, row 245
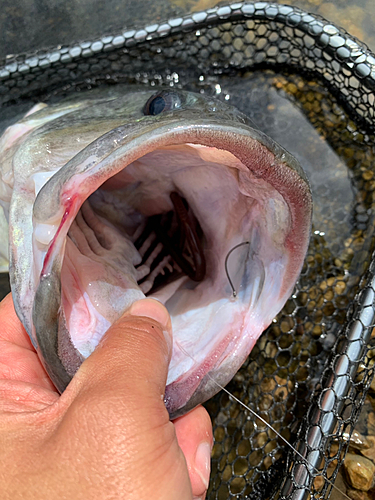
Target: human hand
column 108, row 436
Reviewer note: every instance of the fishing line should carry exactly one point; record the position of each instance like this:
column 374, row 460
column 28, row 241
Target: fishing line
column 285, row 441
column 226, row 265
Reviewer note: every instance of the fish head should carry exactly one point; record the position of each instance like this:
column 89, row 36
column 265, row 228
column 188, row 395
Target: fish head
column 116, row 195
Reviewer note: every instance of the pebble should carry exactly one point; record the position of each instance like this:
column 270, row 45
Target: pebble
column 360, row 471
column 370, row 452
column 357, row 441
column 358, row 495
column 371, row 423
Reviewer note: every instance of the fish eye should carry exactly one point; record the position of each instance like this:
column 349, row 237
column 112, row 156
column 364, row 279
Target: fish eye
column 165, row 100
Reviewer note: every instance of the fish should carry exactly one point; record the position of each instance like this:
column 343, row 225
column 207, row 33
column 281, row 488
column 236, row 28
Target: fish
column 126, row 192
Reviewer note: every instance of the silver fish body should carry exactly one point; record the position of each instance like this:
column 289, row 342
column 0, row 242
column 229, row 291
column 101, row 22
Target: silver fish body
column 104, row 190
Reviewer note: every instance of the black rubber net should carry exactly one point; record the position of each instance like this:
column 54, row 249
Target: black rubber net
column 310, row 86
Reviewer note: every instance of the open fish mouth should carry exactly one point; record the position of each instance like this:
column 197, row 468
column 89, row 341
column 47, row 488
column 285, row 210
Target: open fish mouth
column 207, row 215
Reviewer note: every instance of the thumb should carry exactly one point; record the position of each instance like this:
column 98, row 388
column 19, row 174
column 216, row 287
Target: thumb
column 131, row 362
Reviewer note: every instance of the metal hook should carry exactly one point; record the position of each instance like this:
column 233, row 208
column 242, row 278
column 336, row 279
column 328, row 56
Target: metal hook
column 226, row 264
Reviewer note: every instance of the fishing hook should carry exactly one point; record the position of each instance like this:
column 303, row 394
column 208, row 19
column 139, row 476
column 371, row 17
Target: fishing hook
column 226, row 264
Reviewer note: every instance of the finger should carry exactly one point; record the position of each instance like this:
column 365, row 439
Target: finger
column 115, row 403
column 18, row 359
column 194, row 435
column 134, row 352
column 20, row 363
column 18, row 397
column 11, row 328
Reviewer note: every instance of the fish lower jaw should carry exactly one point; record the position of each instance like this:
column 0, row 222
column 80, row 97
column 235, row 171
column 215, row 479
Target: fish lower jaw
column 194, row 364
column 215, row 369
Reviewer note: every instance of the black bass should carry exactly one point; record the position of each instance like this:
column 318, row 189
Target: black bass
column 127, row 192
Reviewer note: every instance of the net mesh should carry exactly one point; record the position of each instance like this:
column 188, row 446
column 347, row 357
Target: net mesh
column 309, row 372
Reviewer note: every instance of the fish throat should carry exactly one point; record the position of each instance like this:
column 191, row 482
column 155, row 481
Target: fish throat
column 170, row 246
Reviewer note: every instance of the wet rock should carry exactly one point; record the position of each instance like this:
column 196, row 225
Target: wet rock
column 371, row 423
column 359, row 495
column 319, row 483
column 372, row 385
column 357, row 441
column 334, row 448
column 366, row 422
column 340, row 486
column 360, row 471
column 370, row 452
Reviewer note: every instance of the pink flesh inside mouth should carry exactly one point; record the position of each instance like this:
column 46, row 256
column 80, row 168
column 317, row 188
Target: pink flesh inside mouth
column 103, row 272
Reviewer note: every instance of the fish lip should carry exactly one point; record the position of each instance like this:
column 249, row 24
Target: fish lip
column 233, row 137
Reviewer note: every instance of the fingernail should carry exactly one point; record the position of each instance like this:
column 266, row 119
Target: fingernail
column 151, row 308
column 203, row 463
